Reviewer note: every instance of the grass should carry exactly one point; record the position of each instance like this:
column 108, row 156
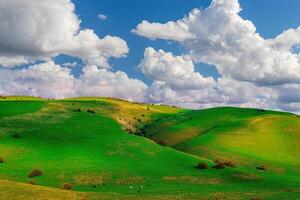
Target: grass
column 92, row 155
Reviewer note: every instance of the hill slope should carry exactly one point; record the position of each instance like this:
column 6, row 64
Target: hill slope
column 85, row 143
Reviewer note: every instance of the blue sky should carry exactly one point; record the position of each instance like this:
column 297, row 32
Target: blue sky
column 211, row 56
column 270, row 17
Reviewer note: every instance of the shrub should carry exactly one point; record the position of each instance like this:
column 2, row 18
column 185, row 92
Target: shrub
column 222, row 164
column 34, row 173
column 16, row 135
column 219, row 166
column 162, row 143
column 202, row 165
column 262, row 167
column 91, row 111
column 229, row 163
column 1, row 160
column 67, row 186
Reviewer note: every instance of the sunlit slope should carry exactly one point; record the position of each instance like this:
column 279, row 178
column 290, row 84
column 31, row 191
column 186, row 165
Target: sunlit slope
column 233, row 133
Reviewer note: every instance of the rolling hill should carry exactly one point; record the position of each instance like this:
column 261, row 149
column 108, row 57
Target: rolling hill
column 103, row 148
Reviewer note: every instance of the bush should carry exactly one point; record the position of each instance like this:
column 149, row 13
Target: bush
column 222, row 164
column 91, row 111
column 229, row 163
column 219, row 166
column 262, row 167
column 162, row 143
column 202, row 165
column 1, row 160
column 67, row 186
column 34, row 173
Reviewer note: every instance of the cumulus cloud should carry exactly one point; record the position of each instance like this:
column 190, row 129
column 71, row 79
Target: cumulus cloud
column 51, row 80
column 34, row 31
column 254, row 71
column 178, row 31
column 176, row 82
column 45, row 79
column 177, row 71
column 101, row 82
column 95, row 51
column 219, row 36
column 39, row 30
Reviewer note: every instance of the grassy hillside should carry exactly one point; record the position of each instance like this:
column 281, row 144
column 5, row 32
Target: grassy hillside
column 250, row 133
column 107, row 149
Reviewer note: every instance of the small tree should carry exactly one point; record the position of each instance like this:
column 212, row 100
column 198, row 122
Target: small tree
column 162, row 143
column 229, row 163
column 219, row 166
column 34, row 173
column 1, row 160
column 202, row 165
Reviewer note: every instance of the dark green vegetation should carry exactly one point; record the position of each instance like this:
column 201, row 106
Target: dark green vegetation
column 97, row 148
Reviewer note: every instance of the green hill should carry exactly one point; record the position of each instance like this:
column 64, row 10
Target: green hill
column 103, row 148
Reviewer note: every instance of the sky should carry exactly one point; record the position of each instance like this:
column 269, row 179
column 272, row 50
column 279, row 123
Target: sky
column 195, row 53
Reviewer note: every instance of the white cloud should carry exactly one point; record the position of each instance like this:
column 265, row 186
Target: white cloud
column 100, row 82
column 46, row 80
column 95, row 51
column 102, row 17
column 178, row 72
column 39, row 30
column 12, row 61
column 255, row 72
column 51, row 80
column 34, row 30
column 178, row 31
column 176, row 82
column 219, row 36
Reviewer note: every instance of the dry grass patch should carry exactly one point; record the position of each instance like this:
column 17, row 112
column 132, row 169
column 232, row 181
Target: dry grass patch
column 130, row 180
column 192, row 180
column 92, row 179
column 247, row 176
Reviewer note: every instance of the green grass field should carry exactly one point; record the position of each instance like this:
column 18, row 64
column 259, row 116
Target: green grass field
column 113, row 149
